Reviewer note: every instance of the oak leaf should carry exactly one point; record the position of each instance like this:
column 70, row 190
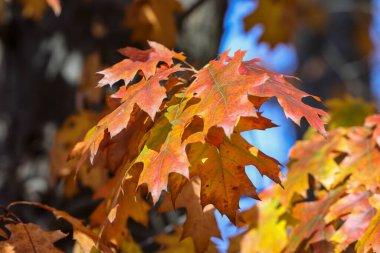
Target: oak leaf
column 356, row 212
column 139, row 60
column 316, row 158
column 371, row 238
column 222, row 171
column 311, row 217
column 164, row 151
column 86, row 238
column 113, row 222
column 373, row 121
column 30, row 237
column 223, row 92
column 200, row 222
column 224, row 87
column 288, row 96
column 147, row 94
column 362, row 155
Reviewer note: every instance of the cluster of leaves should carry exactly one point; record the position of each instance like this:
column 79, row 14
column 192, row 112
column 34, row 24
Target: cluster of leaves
column 331, row 197
column 172, row 135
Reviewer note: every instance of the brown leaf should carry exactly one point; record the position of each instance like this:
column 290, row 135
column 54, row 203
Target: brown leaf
column 200, row 222
column 90, row 240
column 222, row 172
column 30, row 238
column 113, row 220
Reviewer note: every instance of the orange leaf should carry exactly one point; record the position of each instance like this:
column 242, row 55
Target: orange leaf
column 164, row 152
column 147, row 94
column 289, row 97
column 144, row 60
column 224, row 92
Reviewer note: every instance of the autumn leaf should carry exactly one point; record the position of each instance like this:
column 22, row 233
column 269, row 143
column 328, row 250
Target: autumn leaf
column 361, row 163
column 113, row 220
column 253, row 123
column 269, row 233
column 200, row 222
column 222, row 171
column 357, row 214
column 87, row 239
column 373, row 121
column 139, row 60
column 86, row 91
column 289, row 97
column 224, row 85
column 29, row 237
column 371, row 238
column 311, row 217
column 223, row 92
column 181, row 136
column 146, row 94
column 316, row 158
column 164, row 151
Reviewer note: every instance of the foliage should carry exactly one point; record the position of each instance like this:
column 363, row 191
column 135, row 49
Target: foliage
column 331, row 199
column 175, row 130
column 170, row 139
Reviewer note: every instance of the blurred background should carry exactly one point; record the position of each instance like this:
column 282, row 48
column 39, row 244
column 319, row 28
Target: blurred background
column 48, row 65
